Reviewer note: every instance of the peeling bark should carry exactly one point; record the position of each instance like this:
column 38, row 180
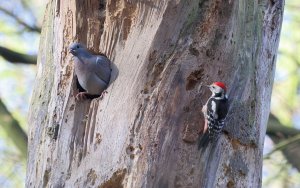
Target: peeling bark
column 144, row 131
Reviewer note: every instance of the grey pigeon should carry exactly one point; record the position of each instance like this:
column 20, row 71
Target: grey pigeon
column 93, row 71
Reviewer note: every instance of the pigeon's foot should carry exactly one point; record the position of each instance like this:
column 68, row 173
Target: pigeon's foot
column 86, row 96
column 81, row 96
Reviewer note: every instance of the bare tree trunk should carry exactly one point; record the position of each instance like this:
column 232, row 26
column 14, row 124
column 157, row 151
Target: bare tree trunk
column 144, row 131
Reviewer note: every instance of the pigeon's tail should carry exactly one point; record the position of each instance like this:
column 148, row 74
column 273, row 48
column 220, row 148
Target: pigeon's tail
column 203, row 141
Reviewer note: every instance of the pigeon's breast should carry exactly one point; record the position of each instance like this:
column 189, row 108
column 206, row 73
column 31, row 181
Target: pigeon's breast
column 82, row 73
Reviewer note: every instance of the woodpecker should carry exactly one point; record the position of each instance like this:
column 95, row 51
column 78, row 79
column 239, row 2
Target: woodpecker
column 214, row 111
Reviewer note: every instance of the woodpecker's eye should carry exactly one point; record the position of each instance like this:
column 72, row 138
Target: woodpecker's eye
column 77, row 46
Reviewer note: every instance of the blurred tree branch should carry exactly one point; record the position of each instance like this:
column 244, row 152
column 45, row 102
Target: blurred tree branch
column 283, row 144
column 287, row 139
column 20, row 21
column 28, row 7
column 13, row 130
column 16, row 57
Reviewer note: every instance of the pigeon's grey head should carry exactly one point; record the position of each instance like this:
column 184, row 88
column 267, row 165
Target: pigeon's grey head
column 77, row 48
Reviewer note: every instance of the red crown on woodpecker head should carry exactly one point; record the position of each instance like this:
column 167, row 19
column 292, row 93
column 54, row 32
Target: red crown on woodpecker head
column 221, row 85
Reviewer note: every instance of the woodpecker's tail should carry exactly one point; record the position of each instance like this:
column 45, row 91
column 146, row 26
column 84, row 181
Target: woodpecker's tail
column 203, row 141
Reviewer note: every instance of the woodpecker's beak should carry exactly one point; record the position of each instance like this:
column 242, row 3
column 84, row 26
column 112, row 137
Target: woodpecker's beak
column 206, row 86
column 200, row 85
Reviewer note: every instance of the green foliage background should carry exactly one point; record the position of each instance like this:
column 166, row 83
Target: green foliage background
column 277, row 171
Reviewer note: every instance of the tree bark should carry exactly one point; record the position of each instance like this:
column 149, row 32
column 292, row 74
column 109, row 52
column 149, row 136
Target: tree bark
column 143, row 132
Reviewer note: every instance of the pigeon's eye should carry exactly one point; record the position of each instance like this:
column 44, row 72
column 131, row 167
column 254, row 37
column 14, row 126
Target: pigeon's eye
column 77, row 46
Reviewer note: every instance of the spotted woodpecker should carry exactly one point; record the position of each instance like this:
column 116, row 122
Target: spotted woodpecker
column 214, row 111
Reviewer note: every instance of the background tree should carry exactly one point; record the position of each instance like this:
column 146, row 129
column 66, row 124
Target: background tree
column 283, row 170
column 143, row 132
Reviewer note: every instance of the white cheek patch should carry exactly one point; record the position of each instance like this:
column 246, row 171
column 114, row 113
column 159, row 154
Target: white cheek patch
column 214, row 109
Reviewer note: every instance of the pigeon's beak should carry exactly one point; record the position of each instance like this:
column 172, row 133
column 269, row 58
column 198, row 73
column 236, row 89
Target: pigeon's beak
column 71, row 51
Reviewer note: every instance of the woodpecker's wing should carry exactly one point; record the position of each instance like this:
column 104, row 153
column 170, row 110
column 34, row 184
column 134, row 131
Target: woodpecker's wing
column 222, row 107
column 215, row 127
column 216, row 112
column 217, row 107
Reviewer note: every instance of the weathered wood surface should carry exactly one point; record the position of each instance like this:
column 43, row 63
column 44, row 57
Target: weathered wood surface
column 143, row 132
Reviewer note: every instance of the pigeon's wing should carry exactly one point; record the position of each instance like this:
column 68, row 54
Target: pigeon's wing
column 101, row 67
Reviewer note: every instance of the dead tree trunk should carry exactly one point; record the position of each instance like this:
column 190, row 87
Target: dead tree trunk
column 144, row 131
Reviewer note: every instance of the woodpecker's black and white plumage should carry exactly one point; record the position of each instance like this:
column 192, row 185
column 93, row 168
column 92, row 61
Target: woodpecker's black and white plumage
column 214, row 111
